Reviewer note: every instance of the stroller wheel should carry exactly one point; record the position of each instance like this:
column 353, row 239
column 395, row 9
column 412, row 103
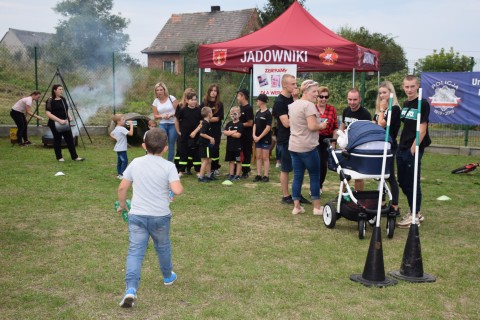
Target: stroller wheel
column 329, row 215
column 390, row 227
column 362, row 226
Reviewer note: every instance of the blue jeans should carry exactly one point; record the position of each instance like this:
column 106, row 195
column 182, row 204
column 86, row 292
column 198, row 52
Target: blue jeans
column 406, row 167
column 311, row 162
column 140, row 228
column 172, row 138
column 122, row 161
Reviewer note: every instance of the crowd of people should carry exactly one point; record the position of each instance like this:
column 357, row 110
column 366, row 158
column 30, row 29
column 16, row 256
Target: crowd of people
column 189, row 133
column 304, row 120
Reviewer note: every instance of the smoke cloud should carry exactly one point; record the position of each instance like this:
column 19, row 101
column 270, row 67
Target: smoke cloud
column 100, row 93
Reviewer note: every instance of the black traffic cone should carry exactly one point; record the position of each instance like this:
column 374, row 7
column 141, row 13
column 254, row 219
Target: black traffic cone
column 411, row 269
column 374, row 272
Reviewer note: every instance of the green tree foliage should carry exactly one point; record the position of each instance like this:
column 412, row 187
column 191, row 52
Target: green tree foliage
column 273, row 8
column 89, row 34
column 392, row 57
column 445, row 62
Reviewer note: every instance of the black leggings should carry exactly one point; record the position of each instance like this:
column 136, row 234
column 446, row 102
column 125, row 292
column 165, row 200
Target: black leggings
column 323, row 153
column 21, row 122
column 57, row 141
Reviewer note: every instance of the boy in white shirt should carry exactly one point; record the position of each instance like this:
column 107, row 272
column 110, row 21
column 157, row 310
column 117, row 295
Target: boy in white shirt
column 119, row 134
column 151, row 177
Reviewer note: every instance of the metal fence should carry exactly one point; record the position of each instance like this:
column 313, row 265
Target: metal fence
column 125, row 87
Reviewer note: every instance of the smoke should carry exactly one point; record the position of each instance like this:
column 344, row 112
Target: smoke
column 101, row 93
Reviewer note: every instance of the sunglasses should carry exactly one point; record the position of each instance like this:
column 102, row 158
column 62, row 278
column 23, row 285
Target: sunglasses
column 323, row 97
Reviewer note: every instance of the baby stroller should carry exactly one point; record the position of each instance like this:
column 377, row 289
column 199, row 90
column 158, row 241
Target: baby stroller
column 361, row 159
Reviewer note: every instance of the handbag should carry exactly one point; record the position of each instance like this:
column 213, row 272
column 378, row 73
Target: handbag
column 62, row 127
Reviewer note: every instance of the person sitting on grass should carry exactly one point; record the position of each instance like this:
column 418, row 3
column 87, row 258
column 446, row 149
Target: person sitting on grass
column 119, row 134
column 152, row 177
column 233, row 131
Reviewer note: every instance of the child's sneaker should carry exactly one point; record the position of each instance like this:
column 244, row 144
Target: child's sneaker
column 211, row 177
column 203, row 179
column 119, row 177
column 236, row 178
column 265, row 179
column 257, row 178
column 129, row 298
column 170, row 280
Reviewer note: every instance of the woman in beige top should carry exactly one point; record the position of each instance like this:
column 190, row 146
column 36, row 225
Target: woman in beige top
column 304, row 126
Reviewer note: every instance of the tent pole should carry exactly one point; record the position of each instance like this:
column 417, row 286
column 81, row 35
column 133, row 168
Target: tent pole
column 353, row 78
column 378, row 78
column 250, row 86
column 200, row 82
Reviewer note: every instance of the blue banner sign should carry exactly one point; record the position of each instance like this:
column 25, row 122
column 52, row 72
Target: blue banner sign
column 454, row 97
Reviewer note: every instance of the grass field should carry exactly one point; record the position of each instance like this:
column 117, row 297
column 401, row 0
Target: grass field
column 238, row 252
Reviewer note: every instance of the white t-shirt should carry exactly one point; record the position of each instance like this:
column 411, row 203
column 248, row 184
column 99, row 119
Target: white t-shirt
column 151, row 176
column 21, row 105
column 120, row 134
column 166, row 107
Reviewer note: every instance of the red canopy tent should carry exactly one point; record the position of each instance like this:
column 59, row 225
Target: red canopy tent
column 295, row 37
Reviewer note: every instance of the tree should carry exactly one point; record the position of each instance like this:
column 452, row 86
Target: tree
column 444, row 62
column 273, row 8
column 392, row 57
column 89, row 35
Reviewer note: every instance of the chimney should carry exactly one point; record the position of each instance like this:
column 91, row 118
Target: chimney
column 215, row 8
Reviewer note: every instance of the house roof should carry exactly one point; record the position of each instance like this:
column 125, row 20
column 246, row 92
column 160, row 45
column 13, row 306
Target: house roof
column 200, row 27
column 31, row 38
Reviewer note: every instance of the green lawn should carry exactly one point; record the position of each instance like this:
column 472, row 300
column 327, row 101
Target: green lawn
column 238, row 252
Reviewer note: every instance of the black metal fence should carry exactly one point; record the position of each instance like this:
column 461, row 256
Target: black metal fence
column 125, row 87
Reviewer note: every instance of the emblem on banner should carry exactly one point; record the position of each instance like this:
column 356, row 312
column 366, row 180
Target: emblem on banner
column 328, row 57
column 219, row 57
column 444, row 100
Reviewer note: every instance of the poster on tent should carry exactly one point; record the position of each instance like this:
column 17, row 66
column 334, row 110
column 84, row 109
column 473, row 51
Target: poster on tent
column 267, row 78
column 454, row 97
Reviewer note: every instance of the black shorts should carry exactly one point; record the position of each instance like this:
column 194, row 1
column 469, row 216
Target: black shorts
column 232, row 155
column 205, row 152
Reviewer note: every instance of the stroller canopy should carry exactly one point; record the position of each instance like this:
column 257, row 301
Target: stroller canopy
column 361, row 132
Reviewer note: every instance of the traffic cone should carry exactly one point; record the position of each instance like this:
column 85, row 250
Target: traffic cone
column 374, row 272
column 411, row 269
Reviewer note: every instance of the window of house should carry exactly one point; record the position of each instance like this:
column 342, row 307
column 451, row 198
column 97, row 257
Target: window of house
column 169, row 66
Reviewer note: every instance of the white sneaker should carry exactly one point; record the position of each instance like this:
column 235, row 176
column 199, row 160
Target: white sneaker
column 298, row 210
column 61, row 160
column 216, row 172
column 407, row 221
column 318, row 212
column 120, row 177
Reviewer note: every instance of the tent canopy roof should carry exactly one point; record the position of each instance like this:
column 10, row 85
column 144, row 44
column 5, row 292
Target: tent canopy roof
column 295, row 37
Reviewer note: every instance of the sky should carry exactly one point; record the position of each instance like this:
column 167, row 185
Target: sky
column 418, row 26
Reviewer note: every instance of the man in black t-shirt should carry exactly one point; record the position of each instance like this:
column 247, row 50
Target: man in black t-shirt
column 280, row 112
column 407, row 147
column 353, row 113
column 246, row 118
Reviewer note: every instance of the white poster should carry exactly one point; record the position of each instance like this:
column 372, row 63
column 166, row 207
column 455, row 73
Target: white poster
column 267, row 78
